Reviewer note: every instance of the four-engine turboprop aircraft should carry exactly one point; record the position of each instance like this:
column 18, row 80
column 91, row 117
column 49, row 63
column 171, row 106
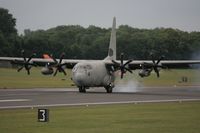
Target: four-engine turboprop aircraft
column 98, row 73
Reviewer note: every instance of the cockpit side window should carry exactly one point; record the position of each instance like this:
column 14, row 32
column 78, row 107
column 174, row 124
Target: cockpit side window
column 74, row 69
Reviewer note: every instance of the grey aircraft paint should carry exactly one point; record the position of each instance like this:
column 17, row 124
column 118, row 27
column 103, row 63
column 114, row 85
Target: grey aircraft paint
column 92, row 74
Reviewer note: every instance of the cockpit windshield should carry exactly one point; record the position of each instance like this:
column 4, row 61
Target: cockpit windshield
column 82, row 68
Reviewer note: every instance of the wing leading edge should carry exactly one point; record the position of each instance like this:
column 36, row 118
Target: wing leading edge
column 135, row 64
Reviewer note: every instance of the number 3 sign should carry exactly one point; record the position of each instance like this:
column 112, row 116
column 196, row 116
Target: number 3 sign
column 43, row 115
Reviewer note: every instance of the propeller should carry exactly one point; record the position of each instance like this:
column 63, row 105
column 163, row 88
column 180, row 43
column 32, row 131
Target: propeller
column 122, row 66
column 26, row 64
column 59, row 65
column 154, row 65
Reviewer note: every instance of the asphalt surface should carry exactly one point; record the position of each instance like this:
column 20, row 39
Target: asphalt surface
column 30, row 98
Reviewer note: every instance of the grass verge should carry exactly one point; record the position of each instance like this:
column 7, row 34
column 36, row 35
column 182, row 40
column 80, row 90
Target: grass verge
column 10, row 78
column 128, row 118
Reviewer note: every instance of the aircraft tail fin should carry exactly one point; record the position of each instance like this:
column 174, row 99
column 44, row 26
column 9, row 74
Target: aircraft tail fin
column 112, row 45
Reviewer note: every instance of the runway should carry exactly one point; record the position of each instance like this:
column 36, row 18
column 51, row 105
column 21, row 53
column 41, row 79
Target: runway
column 38, row 97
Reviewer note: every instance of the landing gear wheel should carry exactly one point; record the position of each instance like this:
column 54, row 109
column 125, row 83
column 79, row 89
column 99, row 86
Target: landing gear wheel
column 82, row 89
column 109, row 89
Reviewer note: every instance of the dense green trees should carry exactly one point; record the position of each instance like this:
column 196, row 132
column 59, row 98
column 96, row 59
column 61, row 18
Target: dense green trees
column 92, row 42
column 7, row 22
column 9, row 40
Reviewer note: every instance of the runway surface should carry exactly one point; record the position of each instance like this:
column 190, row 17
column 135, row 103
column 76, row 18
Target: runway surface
column 29, row 98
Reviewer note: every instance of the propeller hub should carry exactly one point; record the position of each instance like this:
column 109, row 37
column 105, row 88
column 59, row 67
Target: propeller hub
column 154, row 65
column 26, row 64
column 122, row 66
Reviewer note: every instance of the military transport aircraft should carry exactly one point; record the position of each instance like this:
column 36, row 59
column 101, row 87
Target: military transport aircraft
column 98, row 73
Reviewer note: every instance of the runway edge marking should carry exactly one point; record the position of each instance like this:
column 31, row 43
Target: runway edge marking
column 99, row 103
column 14, row 100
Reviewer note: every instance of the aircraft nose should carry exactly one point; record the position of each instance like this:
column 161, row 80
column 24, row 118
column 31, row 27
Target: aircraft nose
column 79, row 78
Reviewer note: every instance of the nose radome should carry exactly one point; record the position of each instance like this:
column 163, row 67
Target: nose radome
column 79, row 78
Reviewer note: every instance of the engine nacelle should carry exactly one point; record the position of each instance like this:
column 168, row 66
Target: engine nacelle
column 145, row 72
column 47, row 70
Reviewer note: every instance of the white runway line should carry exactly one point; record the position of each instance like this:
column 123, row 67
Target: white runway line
column 14, row 100
column 100, row 103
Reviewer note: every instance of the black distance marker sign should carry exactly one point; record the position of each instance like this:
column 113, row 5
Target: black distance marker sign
column 43, row 115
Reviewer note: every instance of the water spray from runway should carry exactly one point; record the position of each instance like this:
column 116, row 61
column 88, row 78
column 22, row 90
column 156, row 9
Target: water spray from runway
column 196, row 56
column 196, row 80
column 130, row 85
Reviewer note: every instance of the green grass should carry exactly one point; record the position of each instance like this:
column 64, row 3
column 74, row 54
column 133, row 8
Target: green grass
column 171, row 77
column 10, row 78
column 174, row 77
column 128, row 118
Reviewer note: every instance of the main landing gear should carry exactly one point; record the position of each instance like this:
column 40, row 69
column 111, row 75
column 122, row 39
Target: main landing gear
column 109, row 88
column 82, row 89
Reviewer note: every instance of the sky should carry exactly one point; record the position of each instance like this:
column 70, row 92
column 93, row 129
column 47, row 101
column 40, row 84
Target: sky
column 45, row 14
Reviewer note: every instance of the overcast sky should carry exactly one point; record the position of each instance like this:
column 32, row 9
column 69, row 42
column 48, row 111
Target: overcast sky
column 44, row 14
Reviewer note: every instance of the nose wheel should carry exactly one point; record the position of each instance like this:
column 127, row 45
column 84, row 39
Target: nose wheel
column 82, row 89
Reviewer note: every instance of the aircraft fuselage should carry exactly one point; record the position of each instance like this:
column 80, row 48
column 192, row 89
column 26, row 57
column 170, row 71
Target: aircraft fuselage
column 92, row 74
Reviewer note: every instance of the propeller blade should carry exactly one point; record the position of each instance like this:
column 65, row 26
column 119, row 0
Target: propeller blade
column 161, row 58
column 58, row 64
column 153, row 60
column 116, row 63
column 55, row 72
column 27, row 68
column 24, row 59
column 63, row 71
column 61, row 57
column 20, row 68
column 54, row 59
column 28, row 71
column 129, row 70
column 154, row 65
column 64, row 64
column 157, row 72
column 23, row 55
column 121, row 66
column 122, row 58
column 34, row 54
column 60, row 60
column 25, row 63
column 128, row 62
column 122, row 75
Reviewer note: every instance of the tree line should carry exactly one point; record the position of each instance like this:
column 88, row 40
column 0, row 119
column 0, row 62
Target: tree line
column 92, row 42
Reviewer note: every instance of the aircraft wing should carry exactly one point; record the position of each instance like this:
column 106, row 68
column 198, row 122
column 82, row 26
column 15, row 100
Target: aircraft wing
column 136, row 64
column 42, row 62
column 166, row 63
